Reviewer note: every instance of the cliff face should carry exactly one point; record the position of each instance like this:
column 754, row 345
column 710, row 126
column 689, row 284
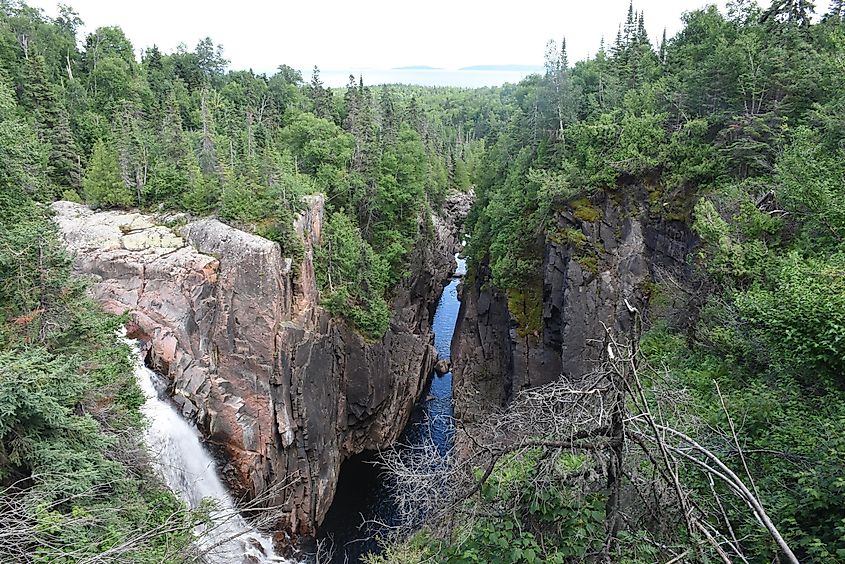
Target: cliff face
column 282, row 390
column 590, row 267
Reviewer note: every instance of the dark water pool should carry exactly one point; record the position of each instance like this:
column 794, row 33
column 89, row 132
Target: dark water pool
column 363, row 492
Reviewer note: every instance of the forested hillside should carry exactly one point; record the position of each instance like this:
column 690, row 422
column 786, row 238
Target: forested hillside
column 178, row 132
column 69, row 421
column 734, row 128
column 83, row 119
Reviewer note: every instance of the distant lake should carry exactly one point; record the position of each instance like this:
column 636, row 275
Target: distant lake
column 423, row 77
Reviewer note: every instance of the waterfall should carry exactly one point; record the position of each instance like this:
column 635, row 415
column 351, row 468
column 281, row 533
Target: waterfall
column 187, row 468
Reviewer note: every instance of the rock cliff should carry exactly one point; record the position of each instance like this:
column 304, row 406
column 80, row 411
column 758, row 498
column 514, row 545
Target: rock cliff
column 591, row 265
column 283, row 391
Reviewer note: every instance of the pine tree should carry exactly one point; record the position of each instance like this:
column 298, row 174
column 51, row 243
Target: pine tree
column 790, row 12
column 318, row 95
column 52, row 124
column 837, row 9
column 662, row 51
column 103, row 186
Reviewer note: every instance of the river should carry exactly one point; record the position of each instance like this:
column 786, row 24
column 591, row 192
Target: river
column 363, row 493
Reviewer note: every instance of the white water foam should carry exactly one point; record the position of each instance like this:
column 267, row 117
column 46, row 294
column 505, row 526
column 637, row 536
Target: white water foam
column 189, row 470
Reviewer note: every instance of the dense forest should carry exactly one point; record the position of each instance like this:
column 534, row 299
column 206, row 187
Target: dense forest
column 735, row 126
column 90, row 123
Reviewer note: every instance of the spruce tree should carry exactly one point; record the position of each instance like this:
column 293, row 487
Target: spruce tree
column 790, row 12
column 642, row 36
column 351, row 99
column 318, row 95
column 837, row 9
column 617, row 51
column 389, row 121
column 52, row 124
column 564, row 57
column 103, row 186
column 630, row 25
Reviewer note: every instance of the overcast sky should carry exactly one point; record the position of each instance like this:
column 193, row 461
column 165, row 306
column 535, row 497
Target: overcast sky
column 383, row 34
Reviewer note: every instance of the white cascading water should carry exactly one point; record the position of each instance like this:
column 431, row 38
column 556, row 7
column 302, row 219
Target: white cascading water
column 186, row 467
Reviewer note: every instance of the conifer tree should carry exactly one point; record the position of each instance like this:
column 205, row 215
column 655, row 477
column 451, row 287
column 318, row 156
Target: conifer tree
column 791, row 12
column 351, row 99
column 52, row 124
column 630, row 25
column 103, row 186
column 617, row 51
column 319, row 95
column 389, row 121
column 642, row 36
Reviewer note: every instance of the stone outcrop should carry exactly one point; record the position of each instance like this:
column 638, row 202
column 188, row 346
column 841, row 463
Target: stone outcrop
column 584, row 287
column 280, row 388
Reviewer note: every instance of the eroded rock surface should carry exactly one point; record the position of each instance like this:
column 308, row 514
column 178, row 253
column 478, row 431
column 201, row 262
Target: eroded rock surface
column 584, row 288
column 282, row 390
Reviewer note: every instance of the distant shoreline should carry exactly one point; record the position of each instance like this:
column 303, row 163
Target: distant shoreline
column 503, row 68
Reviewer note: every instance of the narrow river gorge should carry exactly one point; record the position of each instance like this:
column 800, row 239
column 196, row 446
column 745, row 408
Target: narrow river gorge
column 290, row 400
column 364, row 505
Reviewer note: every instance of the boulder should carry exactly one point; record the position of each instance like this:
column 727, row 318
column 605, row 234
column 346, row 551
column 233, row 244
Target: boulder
column 442, row 366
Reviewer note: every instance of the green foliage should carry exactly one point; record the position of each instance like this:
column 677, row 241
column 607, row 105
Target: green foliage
column 178, row 131
column 553, row 524
column 103, row 185
column 799, row 318
column 728, row 259
column 23, row 159
column 812, row 178
column 321, row 148
column 68, row 397
column 526, row 305
column 789, row 435
column 731, row 108
column 352, row 277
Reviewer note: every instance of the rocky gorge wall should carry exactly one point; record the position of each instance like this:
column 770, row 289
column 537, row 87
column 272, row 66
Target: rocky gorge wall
column 282, row 390
column 592, row 263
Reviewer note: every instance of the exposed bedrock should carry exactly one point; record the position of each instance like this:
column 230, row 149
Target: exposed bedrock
column 281, row 389
column 589, row 269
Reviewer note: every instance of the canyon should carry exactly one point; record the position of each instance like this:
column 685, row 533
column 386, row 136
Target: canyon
column 281, row 390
